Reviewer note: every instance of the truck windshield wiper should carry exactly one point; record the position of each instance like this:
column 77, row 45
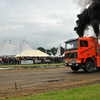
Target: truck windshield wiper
column 70, row 54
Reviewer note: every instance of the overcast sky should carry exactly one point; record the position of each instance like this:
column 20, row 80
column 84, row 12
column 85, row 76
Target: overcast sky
column 42, row 23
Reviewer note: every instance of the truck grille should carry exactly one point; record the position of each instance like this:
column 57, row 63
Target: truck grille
column 71, row 61
column 71, row 55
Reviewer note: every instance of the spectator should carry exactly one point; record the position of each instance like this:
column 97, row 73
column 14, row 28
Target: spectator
column 3, row 60
column 42, row 60
column 0, row 60
column 7, row 60
column 34, row 60
column 18, row 61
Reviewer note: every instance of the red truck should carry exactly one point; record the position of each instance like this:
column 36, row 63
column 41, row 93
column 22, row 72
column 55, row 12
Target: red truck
column 82, row 53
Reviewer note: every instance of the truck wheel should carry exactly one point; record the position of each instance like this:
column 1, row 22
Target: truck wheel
column 74, row 68
column 89, row 66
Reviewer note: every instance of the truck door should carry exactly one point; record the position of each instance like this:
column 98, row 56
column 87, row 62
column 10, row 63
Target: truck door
column 84, row 48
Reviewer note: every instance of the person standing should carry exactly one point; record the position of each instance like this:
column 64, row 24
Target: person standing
column 0, row 60
column 18, row 61
column 3, row 60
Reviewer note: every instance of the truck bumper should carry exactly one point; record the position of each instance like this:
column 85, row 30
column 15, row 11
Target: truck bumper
column 73, row 64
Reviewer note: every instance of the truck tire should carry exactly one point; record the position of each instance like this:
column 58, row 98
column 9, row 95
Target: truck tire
column 74, row 68
column 89, row 67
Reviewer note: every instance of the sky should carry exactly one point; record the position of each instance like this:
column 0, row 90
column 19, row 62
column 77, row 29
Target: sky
column 42, row 23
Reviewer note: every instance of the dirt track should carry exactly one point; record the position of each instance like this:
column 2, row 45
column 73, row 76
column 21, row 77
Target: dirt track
column 32, row 81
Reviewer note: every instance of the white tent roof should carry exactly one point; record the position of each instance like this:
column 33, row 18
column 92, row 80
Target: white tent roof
column 7, row 49
column 22, row 47
column 32, row 53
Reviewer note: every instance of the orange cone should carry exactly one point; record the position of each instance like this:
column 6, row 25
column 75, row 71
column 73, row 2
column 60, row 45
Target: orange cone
column 18, row 66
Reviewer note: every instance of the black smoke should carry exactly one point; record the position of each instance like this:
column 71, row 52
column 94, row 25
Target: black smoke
column 90, row 16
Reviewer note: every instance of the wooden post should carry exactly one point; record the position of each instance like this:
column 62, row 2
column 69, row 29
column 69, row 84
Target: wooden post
column 15, row 89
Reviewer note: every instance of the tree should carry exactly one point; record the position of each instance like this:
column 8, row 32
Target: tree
column 48, row 51
column 41, row 49
column 53, row 50
column 62, row 50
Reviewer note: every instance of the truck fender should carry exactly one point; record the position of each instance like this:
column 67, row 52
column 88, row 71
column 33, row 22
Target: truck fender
column 91, row 58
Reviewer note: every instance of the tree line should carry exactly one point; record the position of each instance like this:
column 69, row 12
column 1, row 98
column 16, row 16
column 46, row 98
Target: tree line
column 51, row 51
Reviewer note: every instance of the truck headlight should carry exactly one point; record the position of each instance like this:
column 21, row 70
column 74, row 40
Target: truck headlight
column 65, row 61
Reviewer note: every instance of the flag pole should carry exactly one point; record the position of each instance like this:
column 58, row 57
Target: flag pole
column 20, row 52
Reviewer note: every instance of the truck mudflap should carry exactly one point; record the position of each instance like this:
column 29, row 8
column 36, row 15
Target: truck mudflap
column 73, row 64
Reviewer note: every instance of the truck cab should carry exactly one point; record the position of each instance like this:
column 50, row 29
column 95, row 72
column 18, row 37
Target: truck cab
column 82, row 53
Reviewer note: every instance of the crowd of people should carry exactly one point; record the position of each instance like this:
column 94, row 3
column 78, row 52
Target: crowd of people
column 17, row 60
column 9, row 60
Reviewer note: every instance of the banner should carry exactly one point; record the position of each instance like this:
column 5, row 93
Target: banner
column 26, row 62
column 58, row 51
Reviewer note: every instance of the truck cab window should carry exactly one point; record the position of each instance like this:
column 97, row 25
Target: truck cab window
column 83, row 43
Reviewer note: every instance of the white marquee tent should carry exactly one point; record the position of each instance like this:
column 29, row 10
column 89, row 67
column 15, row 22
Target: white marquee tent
column 23, row 49
column 32, row 53
column 7, row 49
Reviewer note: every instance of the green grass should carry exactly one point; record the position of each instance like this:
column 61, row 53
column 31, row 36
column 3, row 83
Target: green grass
column 32, row 65
column 82, row 93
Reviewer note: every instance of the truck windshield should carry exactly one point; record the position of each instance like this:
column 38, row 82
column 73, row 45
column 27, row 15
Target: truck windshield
column 71, row 45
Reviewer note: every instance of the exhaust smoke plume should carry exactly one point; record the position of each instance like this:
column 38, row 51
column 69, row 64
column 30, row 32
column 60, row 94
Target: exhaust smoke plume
column 83, row 3
column 89, row 16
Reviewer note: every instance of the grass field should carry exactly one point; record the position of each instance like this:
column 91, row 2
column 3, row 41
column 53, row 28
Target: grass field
column 31, row 65
column 82, row 93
